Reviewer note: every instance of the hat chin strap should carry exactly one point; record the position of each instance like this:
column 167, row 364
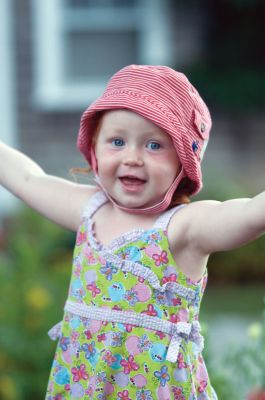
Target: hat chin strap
column 156, row 208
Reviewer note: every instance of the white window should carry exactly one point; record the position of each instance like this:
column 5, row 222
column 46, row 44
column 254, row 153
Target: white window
column 79, row 44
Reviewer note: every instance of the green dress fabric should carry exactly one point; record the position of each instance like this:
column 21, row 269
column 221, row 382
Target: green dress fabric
column 130, row 328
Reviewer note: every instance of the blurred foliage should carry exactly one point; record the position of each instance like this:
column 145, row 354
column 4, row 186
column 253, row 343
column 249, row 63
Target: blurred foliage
column 249, row 361
column 230, row 73
column 241, row 371
column 242, row 266
column 35, row 266
column 220, row 380
column 233, row 88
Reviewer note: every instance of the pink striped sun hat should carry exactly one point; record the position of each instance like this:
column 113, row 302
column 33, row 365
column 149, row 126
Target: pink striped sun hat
column 163, row 96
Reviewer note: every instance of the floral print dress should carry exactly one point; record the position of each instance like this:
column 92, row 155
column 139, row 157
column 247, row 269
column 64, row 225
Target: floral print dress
column 130, row 328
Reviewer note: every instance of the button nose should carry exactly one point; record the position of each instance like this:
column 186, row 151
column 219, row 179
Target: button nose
column 133, row 157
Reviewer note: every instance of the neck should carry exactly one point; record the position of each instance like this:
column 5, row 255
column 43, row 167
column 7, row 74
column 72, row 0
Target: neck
column 154, row 209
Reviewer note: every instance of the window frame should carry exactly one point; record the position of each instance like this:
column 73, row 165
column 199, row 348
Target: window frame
column 50, row 89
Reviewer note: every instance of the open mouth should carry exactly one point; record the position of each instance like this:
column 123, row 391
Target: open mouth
column 132, row 180
column 132, row 183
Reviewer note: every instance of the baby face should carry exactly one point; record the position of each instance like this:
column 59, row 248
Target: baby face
column 136, row 160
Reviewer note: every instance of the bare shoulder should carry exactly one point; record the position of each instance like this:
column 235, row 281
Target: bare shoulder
column 184, row 217
column 79, row 197
column 188, row 255
column 185, row 225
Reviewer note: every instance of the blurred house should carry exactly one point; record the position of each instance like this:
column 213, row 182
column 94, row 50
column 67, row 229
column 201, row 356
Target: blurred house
column 57, row 55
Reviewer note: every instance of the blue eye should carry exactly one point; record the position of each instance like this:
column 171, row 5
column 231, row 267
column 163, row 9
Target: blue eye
column 117, row 142
column 153, row 146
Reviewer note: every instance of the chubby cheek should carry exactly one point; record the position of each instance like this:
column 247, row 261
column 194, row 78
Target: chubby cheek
column 104, row 157
column 104, row 169
column 106, row 166
column 166, row 167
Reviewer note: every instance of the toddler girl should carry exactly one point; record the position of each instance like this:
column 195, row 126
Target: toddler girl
column 131, row 328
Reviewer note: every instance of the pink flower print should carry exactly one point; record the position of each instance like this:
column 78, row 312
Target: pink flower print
column 109, row 358
column 79, row 373
column 170, row 278
column 128, row 327
column 81, row 238
column 89, row 391
column 74, row 336
column 150, row 311
column 181, row 362
column 202, row 387
column 161, row 258
column 88, row 334
column 101, row 337
column 174, row 318
column 94, row 289
column 117, row 308
column 89, row 256
column 59, row 397
column 129, row 365
column 161, row 335
column 140, row 279
column 124, row 395
column 177, row 301
column 77, row 270
column 178, row 393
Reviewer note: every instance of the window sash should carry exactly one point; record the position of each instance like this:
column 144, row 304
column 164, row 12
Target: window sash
column 53, row 21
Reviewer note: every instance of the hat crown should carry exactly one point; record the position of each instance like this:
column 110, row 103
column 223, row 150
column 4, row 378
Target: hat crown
column 170, row 88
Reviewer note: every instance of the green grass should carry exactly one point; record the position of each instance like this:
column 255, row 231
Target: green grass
column 244, row 300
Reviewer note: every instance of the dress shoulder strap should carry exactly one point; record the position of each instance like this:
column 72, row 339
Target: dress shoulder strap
column 163, row 220
column 94, row 203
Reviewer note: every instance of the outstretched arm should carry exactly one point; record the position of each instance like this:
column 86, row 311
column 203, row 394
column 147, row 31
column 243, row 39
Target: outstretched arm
column 59, row 200
column 224, row 226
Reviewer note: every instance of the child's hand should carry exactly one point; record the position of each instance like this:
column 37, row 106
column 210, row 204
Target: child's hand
column 57, row 199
